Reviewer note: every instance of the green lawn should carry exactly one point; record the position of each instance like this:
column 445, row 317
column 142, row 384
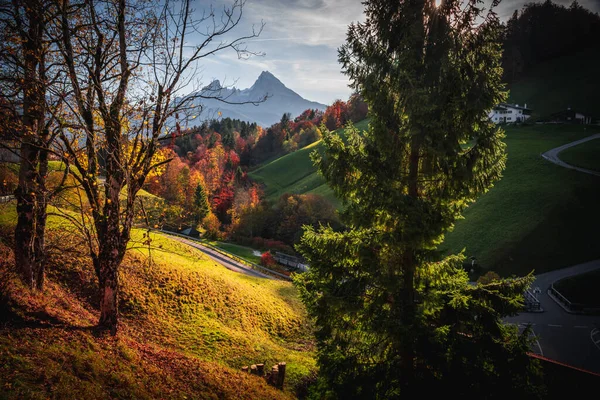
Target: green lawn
column 295, row 173
column 582, row 289
column 585, row 155
column 555, row 85
column 241, row 251
column 539, row 216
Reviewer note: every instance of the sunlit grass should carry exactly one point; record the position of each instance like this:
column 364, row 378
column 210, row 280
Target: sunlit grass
column 247, row 253
column 295, row 173
column 187, row 327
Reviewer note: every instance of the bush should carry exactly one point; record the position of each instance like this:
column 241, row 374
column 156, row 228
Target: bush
column 267, row 260
column 488, row 277
column 211, row 224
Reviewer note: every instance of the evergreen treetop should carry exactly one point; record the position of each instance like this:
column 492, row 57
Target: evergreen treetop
column 392, row 316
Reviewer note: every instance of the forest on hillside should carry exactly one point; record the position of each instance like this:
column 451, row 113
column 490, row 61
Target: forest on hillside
column 545, row 31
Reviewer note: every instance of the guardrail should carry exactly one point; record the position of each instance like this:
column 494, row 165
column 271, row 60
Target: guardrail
column 6, row 199
column 575, row 308
column 290, row 261
column 531, row 302
column 229, row 255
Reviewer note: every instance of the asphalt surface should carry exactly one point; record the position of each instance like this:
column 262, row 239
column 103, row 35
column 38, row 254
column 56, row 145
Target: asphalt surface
column 569, row 338
column 223, row 260
column 552, row 155
column 560, row 335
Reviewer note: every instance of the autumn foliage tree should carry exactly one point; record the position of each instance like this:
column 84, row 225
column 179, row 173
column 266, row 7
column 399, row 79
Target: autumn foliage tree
column 126, row 63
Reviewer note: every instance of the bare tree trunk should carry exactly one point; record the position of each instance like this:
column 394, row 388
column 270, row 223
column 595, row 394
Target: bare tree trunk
column 30, row 194
column 408, row 275
column 113, row 243
column 109, row 293
column 26, row 215
column 39, row 246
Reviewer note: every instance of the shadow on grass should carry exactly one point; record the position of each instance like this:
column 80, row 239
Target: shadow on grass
column 568, row 236
column 12, row 319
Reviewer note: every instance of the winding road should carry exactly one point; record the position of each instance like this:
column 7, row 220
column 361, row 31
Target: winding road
column 221, row 259
column 561, row 336
column 552, row 155
column 569, row 338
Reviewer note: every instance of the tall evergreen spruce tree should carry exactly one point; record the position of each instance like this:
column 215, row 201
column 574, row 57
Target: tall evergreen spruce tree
column 202, row 208
column 392, row 318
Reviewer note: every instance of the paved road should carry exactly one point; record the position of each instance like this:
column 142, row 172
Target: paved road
column 563, row 336
column 552, row 155
column 223, row 260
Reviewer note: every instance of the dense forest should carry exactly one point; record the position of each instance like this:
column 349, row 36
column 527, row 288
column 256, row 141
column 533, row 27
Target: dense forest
column 545, row 31
column 210, row 163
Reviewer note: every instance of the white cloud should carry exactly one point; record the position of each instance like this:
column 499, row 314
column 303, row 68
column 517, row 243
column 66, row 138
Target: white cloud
column 301, row 38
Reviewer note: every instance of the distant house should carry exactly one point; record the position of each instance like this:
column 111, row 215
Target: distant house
column 570, row 116
column 505, row 113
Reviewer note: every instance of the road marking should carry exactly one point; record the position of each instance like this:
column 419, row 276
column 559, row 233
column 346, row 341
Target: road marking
column 580, row 326
column 539, row 346
column 555, row 326
column 592, row 334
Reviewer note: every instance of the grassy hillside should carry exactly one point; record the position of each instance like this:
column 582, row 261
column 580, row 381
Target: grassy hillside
column 295, row 173
column 187, row 327
column 557, row 84
column 585, row 155
column 539, row 216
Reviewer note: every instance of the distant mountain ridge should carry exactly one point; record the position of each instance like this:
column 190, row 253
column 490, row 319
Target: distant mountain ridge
column 280, row 100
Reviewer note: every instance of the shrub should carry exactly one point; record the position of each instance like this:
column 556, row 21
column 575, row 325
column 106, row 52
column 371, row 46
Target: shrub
column 267, row 260
column 211, row 224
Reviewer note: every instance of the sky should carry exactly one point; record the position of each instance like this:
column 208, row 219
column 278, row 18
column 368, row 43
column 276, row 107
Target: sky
column 299, row 40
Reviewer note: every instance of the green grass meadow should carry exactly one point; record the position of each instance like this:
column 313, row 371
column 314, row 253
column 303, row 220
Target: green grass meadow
column 295, row 173
column 539, row 216
column 584, row 155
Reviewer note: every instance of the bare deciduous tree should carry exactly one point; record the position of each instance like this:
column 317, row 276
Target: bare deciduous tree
column 27, row 71
column 132, row 75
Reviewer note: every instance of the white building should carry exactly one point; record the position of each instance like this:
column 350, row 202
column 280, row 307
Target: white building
column 505, row 113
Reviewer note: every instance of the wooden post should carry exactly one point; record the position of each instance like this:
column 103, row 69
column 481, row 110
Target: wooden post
column 260, row 369
column 274, row 375
column 253, row 369
column 280, row 374
column 245, row 369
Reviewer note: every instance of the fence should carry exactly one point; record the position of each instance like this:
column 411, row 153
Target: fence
column 6, row 199
column 575, row 308
column 531, row 302
column 290, row 261
column 232, row 256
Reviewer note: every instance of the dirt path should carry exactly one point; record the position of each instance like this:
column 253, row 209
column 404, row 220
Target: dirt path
column 552, row 155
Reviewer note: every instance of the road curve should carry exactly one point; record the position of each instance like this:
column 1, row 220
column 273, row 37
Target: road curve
column 221, row 259
column 552, row 155
column 560, row 335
